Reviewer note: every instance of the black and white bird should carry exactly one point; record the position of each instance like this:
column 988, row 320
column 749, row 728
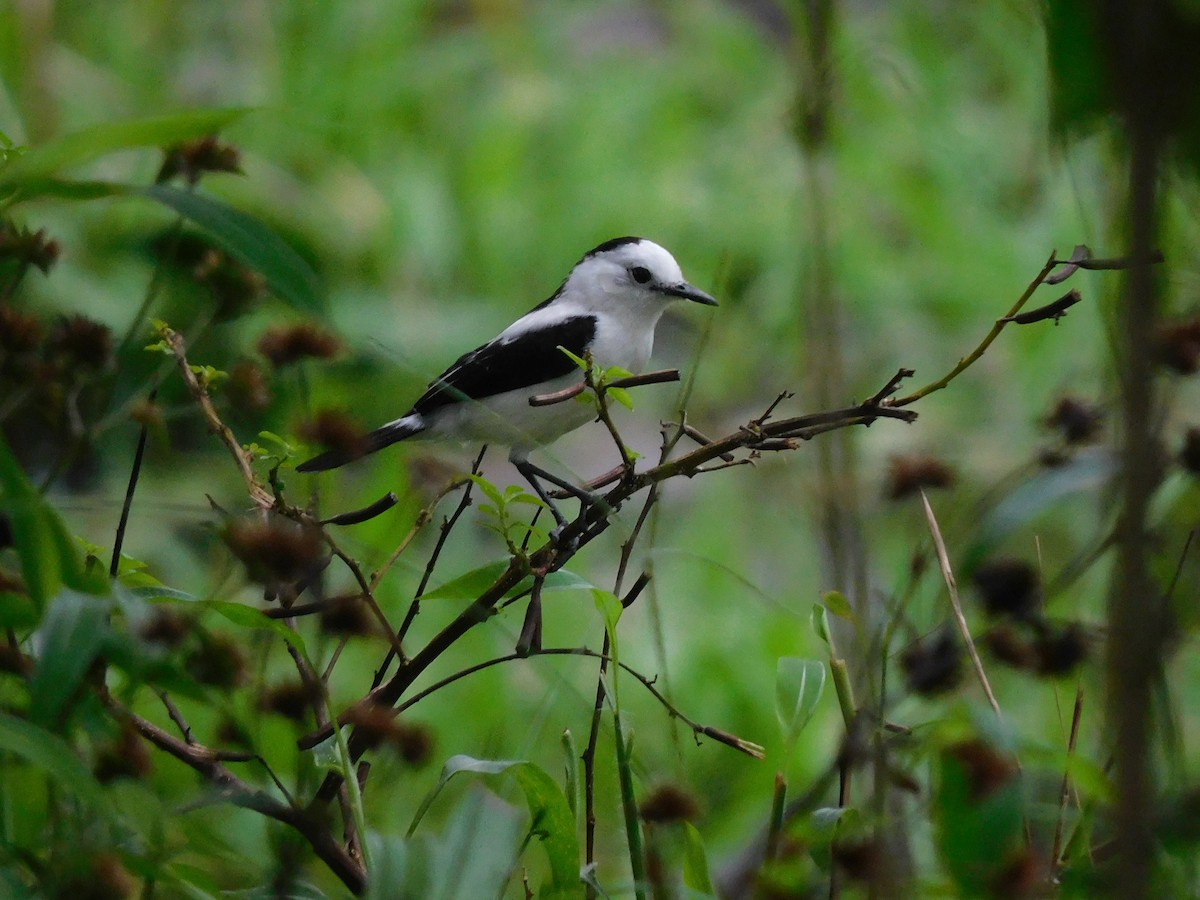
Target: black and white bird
column 608, row 306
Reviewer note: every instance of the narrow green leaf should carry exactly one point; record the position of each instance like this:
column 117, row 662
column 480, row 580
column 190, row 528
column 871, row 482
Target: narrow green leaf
column 820, row 623
column 799, row 684
column 609, row 605
column 53, row 756
column 100, row 140
column 49, row 556
column 249, row 617
column 554, row 824
column 248, row 240
column 695, row 862
column 74, row 629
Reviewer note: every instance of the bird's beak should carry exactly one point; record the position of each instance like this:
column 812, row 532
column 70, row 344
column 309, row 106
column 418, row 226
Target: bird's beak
column 685, row 291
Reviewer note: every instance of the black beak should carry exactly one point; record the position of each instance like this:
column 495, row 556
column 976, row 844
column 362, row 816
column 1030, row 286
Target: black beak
column 685, row 291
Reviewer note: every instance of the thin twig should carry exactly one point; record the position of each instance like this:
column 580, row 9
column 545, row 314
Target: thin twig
column 127, row 506
column 952, row 587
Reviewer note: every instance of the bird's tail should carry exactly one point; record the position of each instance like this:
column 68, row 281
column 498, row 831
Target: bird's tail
column 381, row 437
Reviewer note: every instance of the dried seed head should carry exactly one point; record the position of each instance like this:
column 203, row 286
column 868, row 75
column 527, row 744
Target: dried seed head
column 166, row 627
column 125, row 756
column 1189, row 454
column 192, row 159
column 414, row 742
column 31, row 248
column 1060, row 649
column 379, row 726
column 348, row 615
column 1013, row 646
column 933, row 664
column 1078, row 421
column 19, row 333
column 1178, row 345
column 669, row 803
column 909, row 474
column 861, row 860
column 247, row 388
column 987, row 769
column 234, row 286
column 276, row 550
column 217, row 661
column 1025, row 874
column 291, row 699
column 334, row 430
column 79, row 342
column 1008, row 587
column 289, row 344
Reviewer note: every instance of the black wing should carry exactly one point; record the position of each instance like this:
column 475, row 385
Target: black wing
column 524, row 361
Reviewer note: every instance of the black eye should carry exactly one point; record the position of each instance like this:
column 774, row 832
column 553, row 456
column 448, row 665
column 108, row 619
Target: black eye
column 640, row 274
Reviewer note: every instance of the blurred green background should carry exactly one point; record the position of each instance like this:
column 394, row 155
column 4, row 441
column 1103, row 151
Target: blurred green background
column 443, row 165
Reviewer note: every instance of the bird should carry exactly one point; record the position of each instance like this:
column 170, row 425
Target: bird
column 607, row 307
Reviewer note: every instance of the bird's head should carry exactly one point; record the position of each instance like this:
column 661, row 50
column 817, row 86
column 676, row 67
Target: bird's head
column 631, row 270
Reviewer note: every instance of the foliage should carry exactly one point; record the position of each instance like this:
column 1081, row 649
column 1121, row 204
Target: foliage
column 192, row 693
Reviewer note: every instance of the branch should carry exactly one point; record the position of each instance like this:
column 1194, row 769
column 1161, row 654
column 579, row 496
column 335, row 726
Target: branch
column 258, row 492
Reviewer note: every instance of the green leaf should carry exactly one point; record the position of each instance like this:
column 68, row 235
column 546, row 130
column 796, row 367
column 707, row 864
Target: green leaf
column 474, row 857
column 836, row 603
column 820, row 623
column 49, row 555
column 75, row 627
column 100, row 140
column 249, row 617
column 695, row 862
column 622, row 396
column 249, row 241
column 609, row 605
column 554, row 824
column 470, row 585
column 799, row 684
column 975, row 834
column 489, row 490
column 578, row 360
column 452, row 766
column 53, row 756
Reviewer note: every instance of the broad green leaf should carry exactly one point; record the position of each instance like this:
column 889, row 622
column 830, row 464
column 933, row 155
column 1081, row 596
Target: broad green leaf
column 53, row 756
column 74, row 629
column 799, row 684
column 100, row 140
column 49, row 556
column 249, row 241
column 550, row 814
column 695, row 862
column 452, row 766
column 554, row 824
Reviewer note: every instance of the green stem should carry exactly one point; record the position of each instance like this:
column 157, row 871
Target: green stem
column 633, row 829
